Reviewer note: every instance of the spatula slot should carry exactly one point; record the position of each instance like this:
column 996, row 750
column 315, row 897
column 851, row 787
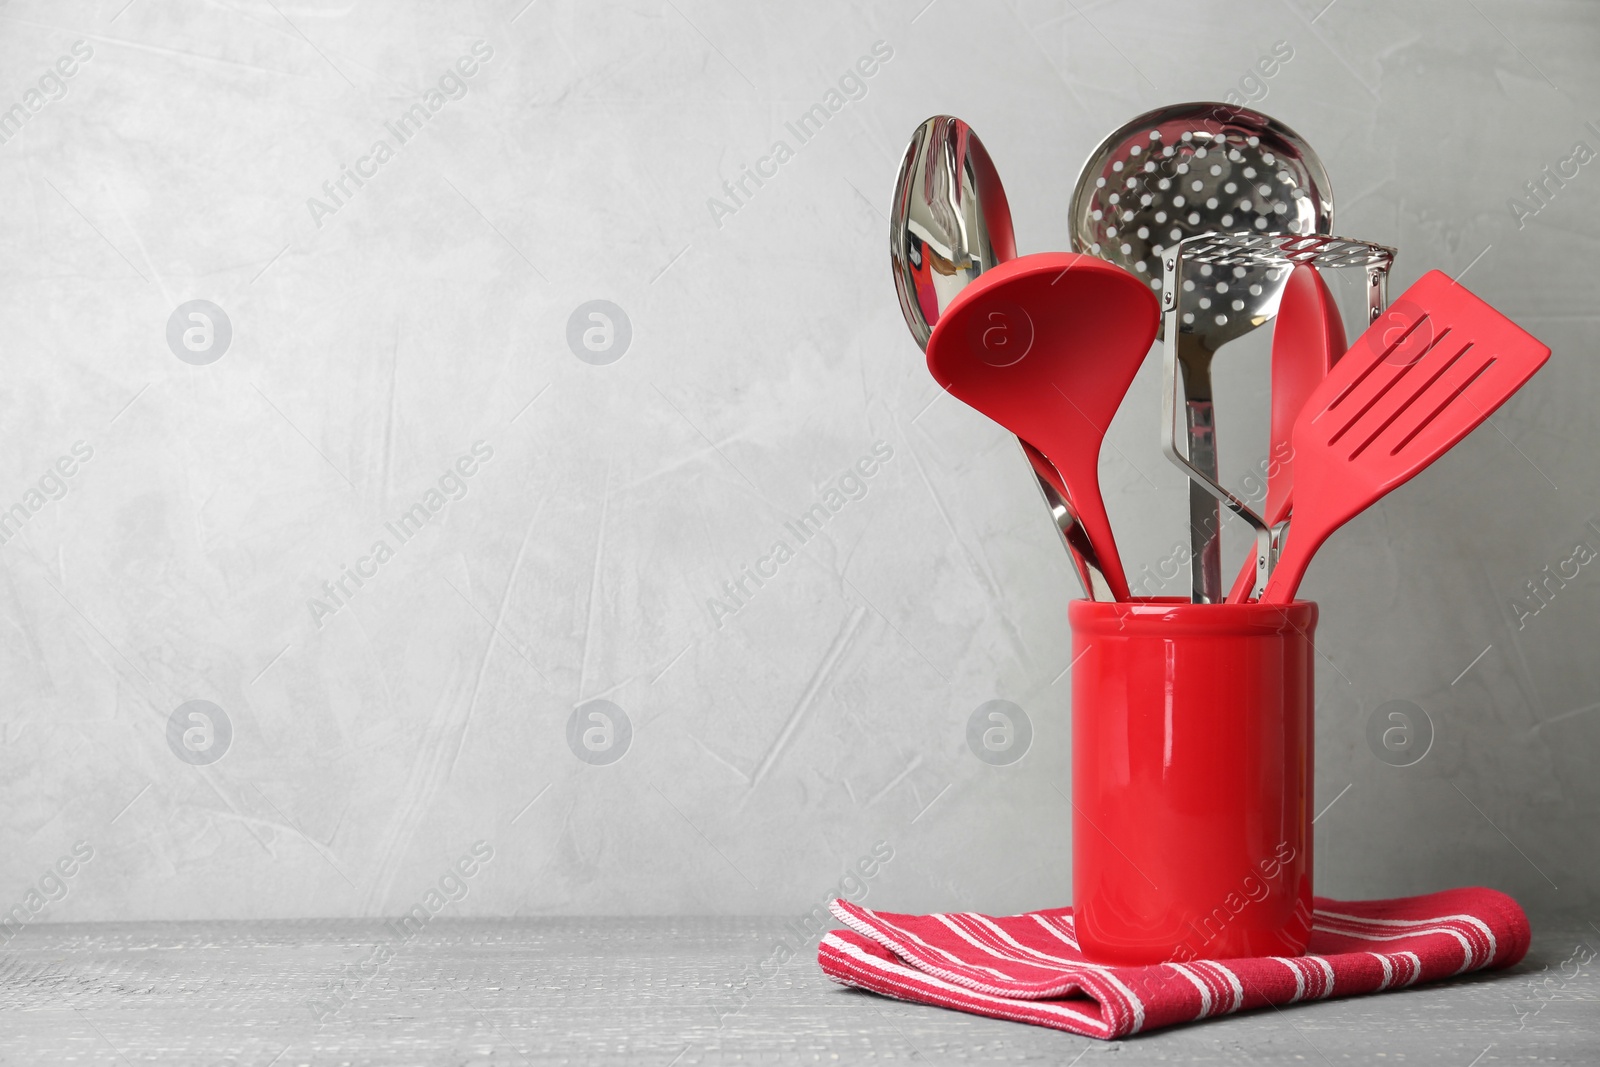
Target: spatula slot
column 1415, row 393
column 1375, row 364
column 1436, row 412
column 1404, row 370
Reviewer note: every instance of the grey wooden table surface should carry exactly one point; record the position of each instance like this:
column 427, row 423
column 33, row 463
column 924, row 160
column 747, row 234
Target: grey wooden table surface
column 658, row 991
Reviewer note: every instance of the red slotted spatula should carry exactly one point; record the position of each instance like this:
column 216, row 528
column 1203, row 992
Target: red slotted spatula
column 1421, row 378
column 1307, row 340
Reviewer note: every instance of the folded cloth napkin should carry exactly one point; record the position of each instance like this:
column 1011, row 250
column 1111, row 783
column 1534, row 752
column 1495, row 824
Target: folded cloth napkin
column 1028, row 967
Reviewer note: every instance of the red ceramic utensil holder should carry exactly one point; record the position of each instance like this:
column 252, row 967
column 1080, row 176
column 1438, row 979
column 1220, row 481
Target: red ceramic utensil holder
column 1191, row 779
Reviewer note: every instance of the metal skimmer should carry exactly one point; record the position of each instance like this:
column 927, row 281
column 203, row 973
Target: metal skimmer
column 1179, row 172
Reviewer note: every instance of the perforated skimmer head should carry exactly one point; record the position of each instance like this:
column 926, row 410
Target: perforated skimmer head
column 1197, row 168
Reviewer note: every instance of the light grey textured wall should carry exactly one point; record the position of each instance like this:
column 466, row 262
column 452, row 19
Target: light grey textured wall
column 382, row 337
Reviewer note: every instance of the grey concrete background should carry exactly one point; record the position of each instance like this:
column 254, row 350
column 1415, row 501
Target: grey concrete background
column 348, row 755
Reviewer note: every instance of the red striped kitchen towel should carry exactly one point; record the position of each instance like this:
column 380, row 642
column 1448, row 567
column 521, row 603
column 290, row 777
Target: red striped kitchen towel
column 1028, row 967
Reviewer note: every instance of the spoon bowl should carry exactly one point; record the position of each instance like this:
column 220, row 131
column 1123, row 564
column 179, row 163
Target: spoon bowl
column 950, row 220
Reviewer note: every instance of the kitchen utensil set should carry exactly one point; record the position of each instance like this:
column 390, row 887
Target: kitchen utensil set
column 1192, row 722
column 1226, row 214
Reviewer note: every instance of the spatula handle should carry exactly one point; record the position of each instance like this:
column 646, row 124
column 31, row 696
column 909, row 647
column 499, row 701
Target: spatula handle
column 1301, row 545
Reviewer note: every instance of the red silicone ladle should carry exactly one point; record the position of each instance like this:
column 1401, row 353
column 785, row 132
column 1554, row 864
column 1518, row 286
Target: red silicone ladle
column 1046, row 345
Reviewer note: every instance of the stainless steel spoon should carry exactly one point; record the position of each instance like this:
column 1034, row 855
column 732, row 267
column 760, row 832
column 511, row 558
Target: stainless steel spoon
column 950, row 222
column 1179, row 172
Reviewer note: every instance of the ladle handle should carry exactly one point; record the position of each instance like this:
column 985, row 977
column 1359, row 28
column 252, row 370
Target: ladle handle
column 1085, row 560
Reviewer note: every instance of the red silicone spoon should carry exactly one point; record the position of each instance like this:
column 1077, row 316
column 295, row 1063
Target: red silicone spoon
column 1421, row 378
column 1307, row 340
column 1046, row 346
